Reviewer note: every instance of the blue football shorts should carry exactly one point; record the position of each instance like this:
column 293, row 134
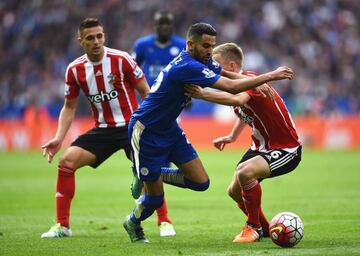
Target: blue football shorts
column 153, row 149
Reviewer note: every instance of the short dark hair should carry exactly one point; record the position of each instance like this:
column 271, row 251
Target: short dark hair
column 89, row 23
column 198, row 29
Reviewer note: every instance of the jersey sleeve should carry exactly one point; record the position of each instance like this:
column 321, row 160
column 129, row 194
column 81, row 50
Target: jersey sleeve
column 131, row 70
column 196, row 73
column 72, row 88
column 214, row 66
column 252, row 92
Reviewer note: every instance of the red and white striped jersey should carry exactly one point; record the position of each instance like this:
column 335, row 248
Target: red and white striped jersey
column 271, row 123
column 108, row 85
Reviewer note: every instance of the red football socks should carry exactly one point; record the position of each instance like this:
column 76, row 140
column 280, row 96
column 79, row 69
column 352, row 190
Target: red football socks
column 65, row 189
column 251, row 192
column 263, row 221
column 162, row 214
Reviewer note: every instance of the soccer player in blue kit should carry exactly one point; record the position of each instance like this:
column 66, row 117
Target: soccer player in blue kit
column 156, row 137
column 152, row 53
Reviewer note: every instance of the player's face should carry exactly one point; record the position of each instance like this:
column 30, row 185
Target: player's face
column 92, row 40
column 202, row 49
column 164, row 28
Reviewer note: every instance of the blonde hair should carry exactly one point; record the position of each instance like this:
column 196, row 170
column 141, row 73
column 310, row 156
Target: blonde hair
column 230, row 52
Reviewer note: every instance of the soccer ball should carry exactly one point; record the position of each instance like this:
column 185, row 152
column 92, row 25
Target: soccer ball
column 286, row 229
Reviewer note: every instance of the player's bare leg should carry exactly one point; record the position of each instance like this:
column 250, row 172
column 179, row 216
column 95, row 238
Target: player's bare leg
column 235, row 192
column 73, row 158
column 247, row 175
column 190, row 175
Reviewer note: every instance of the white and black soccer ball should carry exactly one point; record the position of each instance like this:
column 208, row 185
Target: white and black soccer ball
column 286, row 229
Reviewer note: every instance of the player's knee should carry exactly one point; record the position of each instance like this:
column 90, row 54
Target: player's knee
column 197, row 186
column 64, row 161
column 244, row 172
column 230, row 191
column 152, row 202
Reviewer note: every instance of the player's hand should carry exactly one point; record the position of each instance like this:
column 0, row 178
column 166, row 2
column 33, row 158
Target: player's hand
column 193, row 91
column 50, row 148
column 266, row 91
column 221, row 142
column 281, row 73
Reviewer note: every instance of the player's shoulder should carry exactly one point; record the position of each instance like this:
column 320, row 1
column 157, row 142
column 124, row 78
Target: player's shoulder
column 253, row 92
column 78, row 61
column 183, row 60
column 145, row 40
column 116, row 53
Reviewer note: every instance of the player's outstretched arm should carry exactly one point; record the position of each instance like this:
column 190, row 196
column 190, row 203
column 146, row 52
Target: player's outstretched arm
column 66, row 117
column 222, row 98
column 221, row 142
column 240, row 85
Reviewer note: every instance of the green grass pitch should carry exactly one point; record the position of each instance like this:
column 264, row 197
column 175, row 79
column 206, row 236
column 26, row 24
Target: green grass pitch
column 324, row 191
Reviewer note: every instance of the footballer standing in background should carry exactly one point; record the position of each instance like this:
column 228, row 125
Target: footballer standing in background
column 108, row 78
column 152, row 53
column 275, row 149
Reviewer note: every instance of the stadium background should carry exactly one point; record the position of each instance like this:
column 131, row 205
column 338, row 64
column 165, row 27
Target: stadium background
column 318, row 39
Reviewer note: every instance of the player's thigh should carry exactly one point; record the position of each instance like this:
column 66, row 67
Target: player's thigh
column 255, row 167
column 102, row 143
column 148, row 152
column 186, row 158
column 76, row 157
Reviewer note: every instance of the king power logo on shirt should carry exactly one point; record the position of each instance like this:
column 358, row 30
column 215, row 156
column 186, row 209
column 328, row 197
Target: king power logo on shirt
column 103, row 96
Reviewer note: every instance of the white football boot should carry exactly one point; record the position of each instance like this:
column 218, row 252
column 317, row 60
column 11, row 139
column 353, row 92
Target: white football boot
column 167, row 229
column 57, row 231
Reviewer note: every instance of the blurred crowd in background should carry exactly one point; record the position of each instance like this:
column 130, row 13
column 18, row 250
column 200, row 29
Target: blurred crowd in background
column 319, row 39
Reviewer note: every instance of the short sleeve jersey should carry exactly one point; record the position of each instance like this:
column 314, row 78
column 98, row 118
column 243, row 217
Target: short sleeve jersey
column 271, row 122
column 166, row 99
column 109, row 85
column 153, row 57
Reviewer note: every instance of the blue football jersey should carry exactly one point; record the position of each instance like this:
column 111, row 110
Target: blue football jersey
column 166, row 98
column 152, row 57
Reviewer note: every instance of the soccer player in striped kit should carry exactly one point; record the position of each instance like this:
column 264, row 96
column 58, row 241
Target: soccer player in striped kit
column 275, row 149
column 109, row 79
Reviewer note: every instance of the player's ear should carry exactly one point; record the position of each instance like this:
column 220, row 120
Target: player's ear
column 189, row 44
column 233, row 66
